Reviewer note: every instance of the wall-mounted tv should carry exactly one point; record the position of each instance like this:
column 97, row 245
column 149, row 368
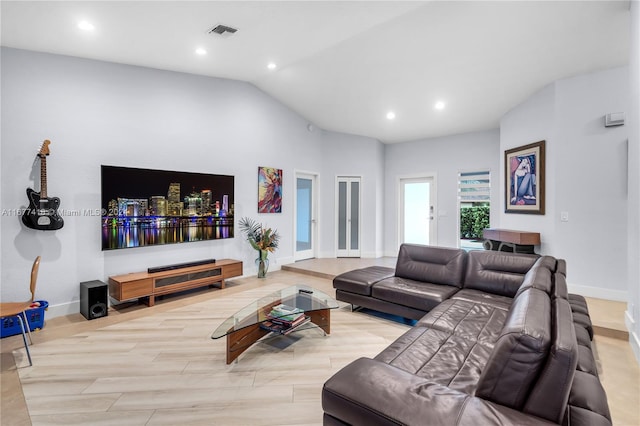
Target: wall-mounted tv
column 144, row 207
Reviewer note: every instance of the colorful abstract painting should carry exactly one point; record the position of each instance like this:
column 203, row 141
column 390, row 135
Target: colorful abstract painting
column 269, row 190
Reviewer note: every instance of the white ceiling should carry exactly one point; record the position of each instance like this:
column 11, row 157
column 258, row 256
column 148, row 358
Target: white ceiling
column 343, row 65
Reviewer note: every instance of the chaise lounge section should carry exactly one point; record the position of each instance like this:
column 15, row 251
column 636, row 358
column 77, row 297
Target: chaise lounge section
column 496, row 345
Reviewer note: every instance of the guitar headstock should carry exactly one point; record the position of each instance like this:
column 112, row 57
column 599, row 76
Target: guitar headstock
column 44, row 149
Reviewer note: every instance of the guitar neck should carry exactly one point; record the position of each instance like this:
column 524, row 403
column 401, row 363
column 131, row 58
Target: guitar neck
column 43, row 176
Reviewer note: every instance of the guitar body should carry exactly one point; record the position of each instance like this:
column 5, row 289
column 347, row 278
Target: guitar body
column 42, row 213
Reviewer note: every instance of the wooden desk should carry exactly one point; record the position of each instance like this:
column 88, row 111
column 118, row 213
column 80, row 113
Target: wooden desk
column 516, row 241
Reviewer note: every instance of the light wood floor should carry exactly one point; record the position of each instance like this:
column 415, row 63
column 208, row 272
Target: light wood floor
column 158, row 365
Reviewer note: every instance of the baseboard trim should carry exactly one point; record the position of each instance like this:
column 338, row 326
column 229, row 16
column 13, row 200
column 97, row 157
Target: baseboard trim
column 634, row 341
column 62, row 309
column 598, row 292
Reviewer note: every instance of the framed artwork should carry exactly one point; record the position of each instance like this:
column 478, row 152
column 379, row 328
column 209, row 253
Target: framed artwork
column 524, row 179
column 269, row 190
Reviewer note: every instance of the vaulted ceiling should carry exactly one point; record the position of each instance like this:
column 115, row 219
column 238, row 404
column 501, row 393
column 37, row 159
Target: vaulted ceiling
column 345, row 65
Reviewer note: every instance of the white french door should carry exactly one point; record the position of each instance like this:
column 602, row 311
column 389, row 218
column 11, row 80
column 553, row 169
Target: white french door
column 348, row 216
column 305, row 216
column 417, row 210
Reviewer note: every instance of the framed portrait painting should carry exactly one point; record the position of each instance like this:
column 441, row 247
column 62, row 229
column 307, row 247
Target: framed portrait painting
column 524, row 179
column 269, row 190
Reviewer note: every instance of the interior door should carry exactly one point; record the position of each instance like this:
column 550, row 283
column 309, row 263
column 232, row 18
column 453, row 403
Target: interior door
column 305, row 226
column 348, row 216
column 417, row 211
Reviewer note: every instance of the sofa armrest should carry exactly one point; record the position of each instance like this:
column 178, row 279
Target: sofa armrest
column 374, row 393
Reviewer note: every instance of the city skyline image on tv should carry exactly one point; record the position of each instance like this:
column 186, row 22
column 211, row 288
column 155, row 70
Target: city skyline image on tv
column 143, row 207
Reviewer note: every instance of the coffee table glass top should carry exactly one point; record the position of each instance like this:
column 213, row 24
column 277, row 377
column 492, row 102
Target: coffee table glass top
column 302, row 297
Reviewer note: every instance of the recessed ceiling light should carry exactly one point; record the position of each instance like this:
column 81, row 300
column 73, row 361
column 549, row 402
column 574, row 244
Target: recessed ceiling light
column 85, row 26
column 200, row 51
column 272, row 65
column 391, row 115
column 439, row 105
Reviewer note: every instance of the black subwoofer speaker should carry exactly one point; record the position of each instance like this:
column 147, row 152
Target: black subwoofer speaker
column 94, row 299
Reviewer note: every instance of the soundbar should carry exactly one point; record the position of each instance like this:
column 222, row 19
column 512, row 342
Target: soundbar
column 179, row 266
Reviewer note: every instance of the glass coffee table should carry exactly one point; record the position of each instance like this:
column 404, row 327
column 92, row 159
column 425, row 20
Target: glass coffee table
column 250, row 323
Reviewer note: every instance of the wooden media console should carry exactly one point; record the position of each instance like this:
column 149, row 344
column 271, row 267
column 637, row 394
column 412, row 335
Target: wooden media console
column 139, row 285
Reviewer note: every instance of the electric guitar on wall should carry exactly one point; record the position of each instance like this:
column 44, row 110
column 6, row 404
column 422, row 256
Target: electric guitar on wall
column 42, row 212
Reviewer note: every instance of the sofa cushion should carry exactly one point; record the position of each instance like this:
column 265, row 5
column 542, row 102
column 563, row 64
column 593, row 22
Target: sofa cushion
column 359, row 281
column 560, row 287
column 477, row 296
column 549, row 395
column 586, row 361
column 587, row 393
column 585, row 321
column 548, row 262
column 537, row 277
column 497, row 272
column 438, row 356
column 385, row 395
column 582, row 335
column 415, row 294
column 437, row 265
column 561, row 266
column 580, row 309
column 577, row 299
column 520, row 352
column 577, row 416
column 474, row 321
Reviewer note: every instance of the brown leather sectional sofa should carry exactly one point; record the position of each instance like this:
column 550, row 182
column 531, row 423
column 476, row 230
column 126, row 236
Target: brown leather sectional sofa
column 498, row 342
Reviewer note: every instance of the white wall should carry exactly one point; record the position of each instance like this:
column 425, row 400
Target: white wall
column 586, row 176
column 104, row 113
column 349, row 155
column 444, row 157
column 529, row 122
column 633, row 216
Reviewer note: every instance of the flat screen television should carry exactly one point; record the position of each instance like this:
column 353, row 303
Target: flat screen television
column 145, row 207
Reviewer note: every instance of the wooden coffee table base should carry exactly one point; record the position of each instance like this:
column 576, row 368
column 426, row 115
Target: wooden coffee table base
column 240, row 340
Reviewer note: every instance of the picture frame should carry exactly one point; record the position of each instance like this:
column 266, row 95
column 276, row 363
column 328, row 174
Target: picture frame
column 269, row 190
column 524, row 190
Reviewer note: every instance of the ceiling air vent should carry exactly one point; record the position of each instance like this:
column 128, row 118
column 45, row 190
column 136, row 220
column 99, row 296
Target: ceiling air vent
column 222, row 30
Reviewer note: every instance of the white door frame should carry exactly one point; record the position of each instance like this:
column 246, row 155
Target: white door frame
column 418, row 177
column 348, row 252
column 314, row 177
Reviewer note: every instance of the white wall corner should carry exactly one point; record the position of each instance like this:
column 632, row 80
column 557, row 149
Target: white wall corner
column 275, row 266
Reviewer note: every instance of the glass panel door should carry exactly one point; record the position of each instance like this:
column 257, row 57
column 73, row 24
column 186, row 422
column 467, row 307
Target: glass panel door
column 417, row 211
column 305, row 217
column 474, row 207
column 348, row 217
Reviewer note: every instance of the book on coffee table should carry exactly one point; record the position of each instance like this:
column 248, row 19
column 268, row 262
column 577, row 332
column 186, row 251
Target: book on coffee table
column 285, row 313
column 278, row 327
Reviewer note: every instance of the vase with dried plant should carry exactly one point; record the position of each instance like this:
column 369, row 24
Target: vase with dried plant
column 264, row 240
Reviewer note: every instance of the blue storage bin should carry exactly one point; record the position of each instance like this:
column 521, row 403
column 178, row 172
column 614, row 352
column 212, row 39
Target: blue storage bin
column 35, row 317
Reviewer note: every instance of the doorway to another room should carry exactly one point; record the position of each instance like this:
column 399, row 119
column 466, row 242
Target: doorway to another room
column 474, row 207
column 417, row 210
column 305, row 216
column 348, row 216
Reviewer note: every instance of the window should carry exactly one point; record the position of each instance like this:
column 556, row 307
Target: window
column 474, row 192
